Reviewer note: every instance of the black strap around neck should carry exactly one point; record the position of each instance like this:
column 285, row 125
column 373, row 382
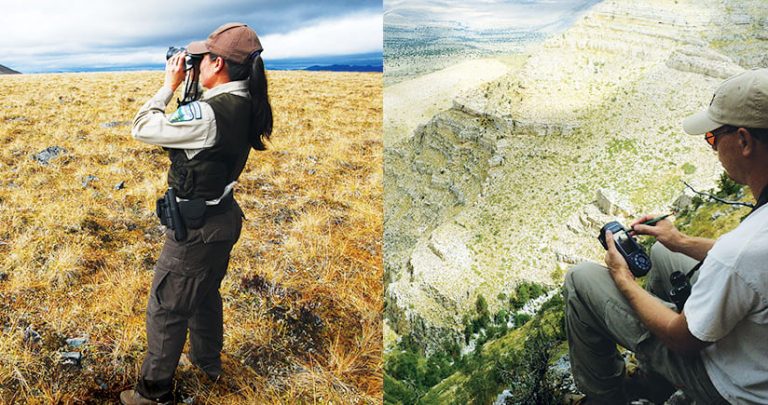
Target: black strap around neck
column 762, row 199
column 694, row 269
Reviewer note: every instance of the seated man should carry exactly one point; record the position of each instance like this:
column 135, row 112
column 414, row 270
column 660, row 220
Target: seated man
column 715, row 349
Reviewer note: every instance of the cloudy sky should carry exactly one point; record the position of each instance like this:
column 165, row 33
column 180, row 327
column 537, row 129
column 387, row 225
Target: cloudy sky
column 524, row 15
column 50, row 35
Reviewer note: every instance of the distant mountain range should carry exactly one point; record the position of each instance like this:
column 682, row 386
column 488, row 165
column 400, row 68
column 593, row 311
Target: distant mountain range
column 4, row 70
column 346, row 68
column 365, row 62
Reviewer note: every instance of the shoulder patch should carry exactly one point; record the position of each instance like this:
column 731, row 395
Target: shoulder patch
column 188, row 112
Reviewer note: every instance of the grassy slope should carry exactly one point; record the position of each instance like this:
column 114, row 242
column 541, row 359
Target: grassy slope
column 303, row 297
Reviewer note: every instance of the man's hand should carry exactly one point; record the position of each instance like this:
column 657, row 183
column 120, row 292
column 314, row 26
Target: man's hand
column 664, row 231
column 174, row 71
column 616, row 263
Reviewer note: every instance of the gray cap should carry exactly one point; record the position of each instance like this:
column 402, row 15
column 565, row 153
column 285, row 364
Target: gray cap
column 740, row 101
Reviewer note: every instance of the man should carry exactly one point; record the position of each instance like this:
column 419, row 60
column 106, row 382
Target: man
column 715, row 349
column 208, row 143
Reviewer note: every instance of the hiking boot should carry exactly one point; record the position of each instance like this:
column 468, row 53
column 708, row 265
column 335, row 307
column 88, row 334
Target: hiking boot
column 131, row 397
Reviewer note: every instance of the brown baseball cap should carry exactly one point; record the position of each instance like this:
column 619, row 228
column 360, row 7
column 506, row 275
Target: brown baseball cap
column 740, row 101
column 235, row 42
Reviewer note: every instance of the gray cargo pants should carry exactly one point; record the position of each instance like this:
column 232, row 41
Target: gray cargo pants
column 597, row 317
column 185, row 295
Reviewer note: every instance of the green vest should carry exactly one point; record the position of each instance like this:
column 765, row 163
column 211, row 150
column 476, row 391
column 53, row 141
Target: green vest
column 209, row 171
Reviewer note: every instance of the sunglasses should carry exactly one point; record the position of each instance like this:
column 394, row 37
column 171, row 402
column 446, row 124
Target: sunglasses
column 711, row 137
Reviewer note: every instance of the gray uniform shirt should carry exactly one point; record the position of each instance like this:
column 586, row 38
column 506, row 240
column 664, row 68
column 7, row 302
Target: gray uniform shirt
column 192, row 127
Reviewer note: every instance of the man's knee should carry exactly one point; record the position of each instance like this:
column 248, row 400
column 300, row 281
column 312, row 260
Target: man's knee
column 659, row 252
column 585, row 276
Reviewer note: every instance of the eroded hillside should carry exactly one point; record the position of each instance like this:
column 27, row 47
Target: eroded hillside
column 503, row 186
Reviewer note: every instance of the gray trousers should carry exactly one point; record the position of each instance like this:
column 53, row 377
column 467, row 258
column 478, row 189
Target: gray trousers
column 598, row 317
column 185, row 296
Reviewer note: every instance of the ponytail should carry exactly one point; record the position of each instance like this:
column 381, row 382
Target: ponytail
column 261, row 110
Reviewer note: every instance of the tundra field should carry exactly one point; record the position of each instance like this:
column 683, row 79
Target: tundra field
column 79, row 240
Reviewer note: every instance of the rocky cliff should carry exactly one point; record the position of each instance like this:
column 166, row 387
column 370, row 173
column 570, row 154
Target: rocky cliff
column 504, row 186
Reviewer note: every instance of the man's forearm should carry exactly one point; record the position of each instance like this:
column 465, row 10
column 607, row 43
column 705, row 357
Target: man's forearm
column 694, row 247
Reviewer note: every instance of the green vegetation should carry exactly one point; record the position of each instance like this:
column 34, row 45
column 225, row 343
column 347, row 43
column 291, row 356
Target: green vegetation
column 710, row 219
column 688, row 168
column 526, row 291
column 410, row 374
column 616, row 146
column 516, row 361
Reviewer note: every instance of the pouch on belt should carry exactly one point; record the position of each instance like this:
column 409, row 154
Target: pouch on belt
column 193, row 212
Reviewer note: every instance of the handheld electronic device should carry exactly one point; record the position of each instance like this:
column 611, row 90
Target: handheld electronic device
column 638, row 261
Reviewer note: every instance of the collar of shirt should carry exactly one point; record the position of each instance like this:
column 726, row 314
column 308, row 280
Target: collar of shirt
column 238, row 88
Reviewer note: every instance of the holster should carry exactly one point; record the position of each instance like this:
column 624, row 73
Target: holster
column 167, row 209
column 190, row 214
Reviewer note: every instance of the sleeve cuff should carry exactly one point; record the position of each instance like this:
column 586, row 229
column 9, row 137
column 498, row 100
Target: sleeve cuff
column 699, row 334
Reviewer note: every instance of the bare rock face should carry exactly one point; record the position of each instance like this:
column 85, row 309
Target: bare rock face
column 612, row 203
column 683, row 201
column 741, row 31
column 431, row 177
column 702, row 61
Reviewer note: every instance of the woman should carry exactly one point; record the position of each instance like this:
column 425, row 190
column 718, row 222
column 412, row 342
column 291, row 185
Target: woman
column 208, row 142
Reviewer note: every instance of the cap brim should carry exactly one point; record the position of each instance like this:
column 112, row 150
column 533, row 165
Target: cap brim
column 700, row 123
column 197, row 48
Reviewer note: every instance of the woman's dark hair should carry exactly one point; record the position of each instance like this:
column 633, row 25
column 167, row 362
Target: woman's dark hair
column 261, row 110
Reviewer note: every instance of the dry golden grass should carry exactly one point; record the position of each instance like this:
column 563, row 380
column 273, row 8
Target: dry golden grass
column 303, row 295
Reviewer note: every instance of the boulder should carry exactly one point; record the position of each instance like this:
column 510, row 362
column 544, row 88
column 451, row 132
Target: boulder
column 44, row 156
column 70, row 358
column 682, row 202
column 496, row 160
column 115, row 124
column 611, row 202
column 704, row 62
column 77, row 342
column 88, row 179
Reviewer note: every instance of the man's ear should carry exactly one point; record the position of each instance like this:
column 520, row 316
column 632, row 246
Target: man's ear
column 746, row 142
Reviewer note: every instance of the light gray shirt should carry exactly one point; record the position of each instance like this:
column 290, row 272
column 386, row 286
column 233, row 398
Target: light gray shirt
column 191, row 127
column 729, row 306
